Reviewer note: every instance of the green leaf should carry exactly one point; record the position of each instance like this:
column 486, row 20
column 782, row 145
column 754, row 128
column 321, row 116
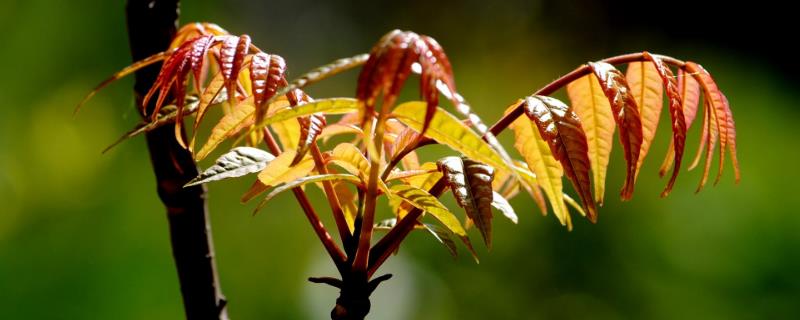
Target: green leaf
column 423, row 200
column 446, row 129
column 326, row 106
column 305, row 180
column 236, row 163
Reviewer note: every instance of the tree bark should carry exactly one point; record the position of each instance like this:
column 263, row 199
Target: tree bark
column 151, row 26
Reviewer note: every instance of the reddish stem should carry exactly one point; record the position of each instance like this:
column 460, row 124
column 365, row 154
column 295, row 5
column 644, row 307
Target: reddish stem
column 333, row 250
column 333, row 199
column 391, row 241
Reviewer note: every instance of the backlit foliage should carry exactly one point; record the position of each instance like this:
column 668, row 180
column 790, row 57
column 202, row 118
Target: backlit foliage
column 208, row 68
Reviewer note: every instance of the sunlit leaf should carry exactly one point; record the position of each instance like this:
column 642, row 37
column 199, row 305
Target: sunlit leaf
column 350, row 158
column 236, row 163
column 646, row 87
column 310, row 128
column 266, row 74
column 348, row 201
column 445, row 237
column 626, row 115
column 422, row 200
column 678, row 119
column 592, row 107
column 499, row 202
column 561, row 128
column 720, row 109
column 228, row 126
column 471, row 184
column 540, row 160
column 279, row 171
column 448, row 130
column 689, row 90
column 326, row 106
column 302, row 181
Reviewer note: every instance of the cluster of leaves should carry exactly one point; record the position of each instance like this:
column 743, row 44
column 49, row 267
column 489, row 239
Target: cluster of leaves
column 381, row 137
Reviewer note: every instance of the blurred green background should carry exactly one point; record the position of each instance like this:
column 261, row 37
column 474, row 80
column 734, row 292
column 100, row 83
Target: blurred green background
column 83, row 235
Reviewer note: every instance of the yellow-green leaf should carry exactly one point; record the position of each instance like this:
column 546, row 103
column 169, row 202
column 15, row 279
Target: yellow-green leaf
column 350, row 158
column 325, row 106
column 449, row 130
column 423, row 200
column 594, row 110
column 540, row 160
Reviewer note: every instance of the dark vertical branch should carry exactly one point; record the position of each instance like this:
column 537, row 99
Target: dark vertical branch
column 151, row 26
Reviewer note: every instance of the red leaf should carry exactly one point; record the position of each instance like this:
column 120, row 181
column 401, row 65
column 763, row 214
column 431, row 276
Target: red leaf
column 717, row 105
column 391, row 61
column 560, row 127
column 197, row 56
column 676, row 115
column 689, row 91
column 732, row 140
column 226, row 58
column 310, row 128
column 626, row 115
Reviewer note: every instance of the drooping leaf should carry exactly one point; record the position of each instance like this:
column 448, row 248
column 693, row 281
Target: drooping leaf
column 310, row 128
column 548, row 171
column 266, row 74
column 704, row 135
column 305, row 180
column 227, row 53
column 718, row 106
column 645, row 83
column 499, row 202
column 448, row 130
column 528, row 181
column 626, row 115
column 422, row 200
column 732, row 141
column 678, row 119
column 391, row 61
column 471, row 183
column 348, row 201
column 592, row 107
column 711, row 142
column 561, row 128
column 198, row 56
column 445, row 237
column 236, row 163
column 172, row 72
column 689, row 90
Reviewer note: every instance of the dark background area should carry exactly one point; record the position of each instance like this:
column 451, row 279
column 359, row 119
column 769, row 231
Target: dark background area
column 83, row 235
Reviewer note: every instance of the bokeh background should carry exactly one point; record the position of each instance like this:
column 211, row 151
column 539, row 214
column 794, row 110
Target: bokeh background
column 83, row 235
